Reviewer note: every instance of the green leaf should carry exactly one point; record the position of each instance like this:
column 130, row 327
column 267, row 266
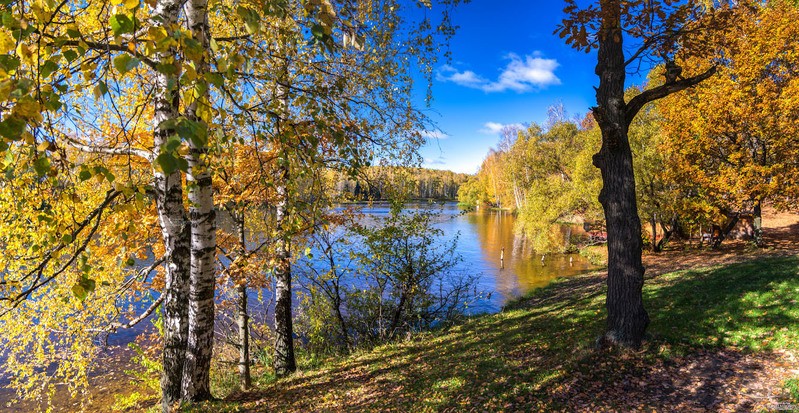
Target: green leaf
column 125, row 63
column 84, row 175
column 167, row 162
column 318, row 31
column 48, row 68
column 252, row 22
column 88, row 284
column 183, row 164
column 167, row 69
column 215, row 79
column 9, row 63
column 100, row 90
column 41, row 166
column 12, row 128
column 70, row 55
column 66, row 238
column 79, row 292
column 121, row 24
column 196, row 132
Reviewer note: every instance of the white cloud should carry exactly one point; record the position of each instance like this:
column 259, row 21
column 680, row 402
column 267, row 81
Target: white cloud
column 522, row 74
column 433, row 134
column 433, row 162
column 494, row 128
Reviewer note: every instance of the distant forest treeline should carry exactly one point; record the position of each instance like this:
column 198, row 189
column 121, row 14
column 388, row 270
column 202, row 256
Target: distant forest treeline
column 380, row 182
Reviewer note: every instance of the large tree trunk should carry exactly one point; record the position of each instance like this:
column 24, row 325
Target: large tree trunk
column 627, row 318
column 174, row 227
column 196, row 380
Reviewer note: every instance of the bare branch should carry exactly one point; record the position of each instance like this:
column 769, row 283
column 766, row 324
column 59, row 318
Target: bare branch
column 115, row 326
column 123, row 151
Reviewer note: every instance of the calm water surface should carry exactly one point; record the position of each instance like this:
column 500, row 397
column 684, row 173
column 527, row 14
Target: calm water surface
column 481, row 237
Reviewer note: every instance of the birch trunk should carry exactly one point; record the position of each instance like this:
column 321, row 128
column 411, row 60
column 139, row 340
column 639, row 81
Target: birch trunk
column 284, row 340
column 174, row 227
column 196, row 380
column 242, row 318
column 284, row 362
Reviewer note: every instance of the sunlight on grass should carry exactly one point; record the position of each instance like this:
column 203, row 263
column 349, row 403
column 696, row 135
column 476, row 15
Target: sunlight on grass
column 527, row 357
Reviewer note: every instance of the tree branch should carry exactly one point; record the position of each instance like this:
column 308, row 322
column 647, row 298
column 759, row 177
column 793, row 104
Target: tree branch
column 638, row 102
column 124, row 151
column 115, row 326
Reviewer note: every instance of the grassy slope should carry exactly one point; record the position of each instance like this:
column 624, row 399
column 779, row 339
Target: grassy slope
column 715, row 333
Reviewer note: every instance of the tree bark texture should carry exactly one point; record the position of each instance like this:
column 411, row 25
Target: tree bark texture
column 242, row 316
column 242, row 319
column 284, row 362
column 174, row 227
column 196, row 373
column 627, row 318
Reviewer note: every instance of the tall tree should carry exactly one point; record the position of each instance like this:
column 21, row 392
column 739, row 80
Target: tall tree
column 659, row 30
column 196, row 372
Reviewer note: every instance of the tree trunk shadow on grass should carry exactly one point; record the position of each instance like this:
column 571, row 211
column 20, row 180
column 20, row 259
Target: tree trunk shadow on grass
column 544, row 350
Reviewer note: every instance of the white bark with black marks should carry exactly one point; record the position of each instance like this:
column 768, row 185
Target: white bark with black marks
column 174, row 226
column 196, row 374
column 284, row 362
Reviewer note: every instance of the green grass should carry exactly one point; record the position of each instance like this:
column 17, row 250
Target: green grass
column 538, row 354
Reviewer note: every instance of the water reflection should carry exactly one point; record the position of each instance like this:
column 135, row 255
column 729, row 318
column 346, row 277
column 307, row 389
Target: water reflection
column 482, row 237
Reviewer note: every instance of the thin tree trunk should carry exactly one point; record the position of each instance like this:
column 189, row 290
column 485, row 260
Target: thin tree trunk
column 757, row 224
column 337, row 298
column 627, row 318
column 174, row 227
column 243, row 318
column 653, row 224
column 245, row 380
column 725, row 232
column 284, row 340
column 196, row 373
column 284, row 362
column 341, row 322
column 667, row 233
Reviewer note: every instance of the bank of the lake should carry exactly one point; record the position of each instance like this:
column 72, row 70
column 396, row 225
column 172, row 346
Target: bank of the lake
column 538, row 356
column 724, row 337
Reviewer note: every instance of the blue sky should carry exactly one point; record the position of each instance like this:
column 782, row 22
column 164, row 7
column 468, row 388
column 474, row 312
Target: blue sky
column 507, row 67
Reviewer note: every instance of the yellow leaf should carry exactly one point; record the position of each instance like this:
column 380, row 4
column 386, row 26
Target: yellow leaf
column 7, row 42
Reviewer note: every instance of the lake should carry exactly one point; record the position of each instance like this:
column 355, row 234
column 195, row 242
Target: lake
column 481, row 237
